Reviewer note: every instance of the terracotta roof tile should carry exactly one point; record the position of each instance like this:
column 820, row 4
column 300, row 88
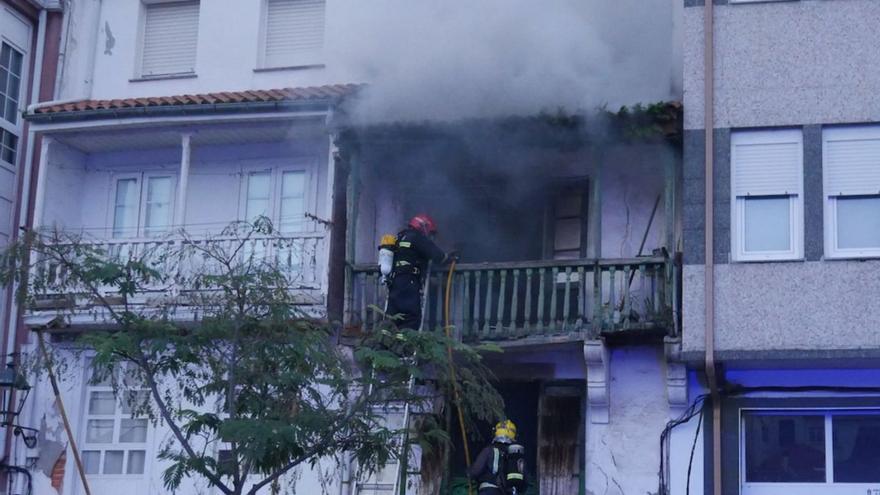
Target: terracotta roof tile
column 304, row 94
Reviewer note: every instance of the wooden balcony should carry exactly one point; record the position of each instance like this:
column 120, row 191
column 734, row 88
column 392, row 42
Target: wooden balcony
column 537, row 301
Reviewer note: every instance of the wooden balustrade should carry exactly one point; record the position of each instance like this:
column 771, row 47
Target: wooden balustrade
column 505, row 301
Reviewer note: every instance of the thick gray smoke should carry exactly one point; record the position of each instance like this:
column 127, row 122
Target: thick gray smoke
column 448, row 59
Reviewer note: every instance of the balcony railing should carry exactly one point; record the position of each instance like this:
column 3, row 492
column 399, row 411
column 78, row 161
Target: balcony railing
column 506, row 301
column 300, row 256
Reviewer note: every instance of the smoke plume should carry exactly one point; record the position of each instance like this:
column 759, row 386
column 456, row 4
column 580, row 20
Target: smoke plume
column 448, row 59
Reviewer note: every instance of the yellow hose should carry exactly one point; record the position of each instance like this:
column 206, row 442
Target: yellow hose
column 456, row 398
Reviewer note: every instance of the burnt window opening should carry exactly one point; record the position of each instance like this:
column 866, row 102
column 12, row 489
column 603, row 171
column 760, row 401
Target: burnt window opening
column 566, row 221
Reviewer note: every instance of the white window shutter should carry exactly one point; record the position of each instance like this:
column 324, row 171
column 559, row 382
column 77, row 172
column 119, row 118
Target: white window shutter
column 294, row 32
column 171, row 33
column 852, row 161
column 767, row 163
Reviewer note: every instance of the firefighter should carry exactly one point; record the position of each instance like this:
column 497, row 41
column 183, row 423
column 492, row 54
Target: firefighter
column 489, row 469
column 414, row 249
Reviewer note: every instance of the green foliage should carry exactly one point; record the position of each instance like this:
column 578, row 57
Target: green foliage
column 210, row 334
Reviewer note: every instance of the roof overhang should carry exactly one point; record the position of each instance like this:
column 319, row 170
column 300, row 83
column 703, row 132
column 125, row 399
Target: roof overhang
column 287, row 101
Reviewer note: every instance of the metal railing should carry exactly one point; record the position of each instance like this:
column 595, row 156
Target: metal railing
column 301, row 256
column 503, row 301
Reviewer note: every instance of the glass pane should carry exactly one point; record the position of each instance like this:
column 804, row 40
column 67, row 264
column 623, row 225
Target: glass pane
column 99, row 431
column 4, row 77
column 158, row 214
column 92, row 461
column 293, row 185
column 767, row 224
column 126, row 210
column 133, row 431
column 134, row 400
column 293, row 201
column 856, row 448
column 785, row 448
column 15, row 66
column 858, row 222
column 5, row 54
column 11, row 111
column 102, row 403
column 14, row 86
column 257, row 195
column 136, row 460
column 113, row 461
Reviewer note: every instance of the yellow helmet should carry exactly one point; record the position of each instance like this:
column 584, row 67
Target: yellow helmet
column 505, row 431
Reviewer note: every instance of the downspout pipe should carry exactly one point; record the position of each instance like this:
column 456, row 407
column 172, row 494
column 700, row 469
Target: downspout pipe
column 709, row 285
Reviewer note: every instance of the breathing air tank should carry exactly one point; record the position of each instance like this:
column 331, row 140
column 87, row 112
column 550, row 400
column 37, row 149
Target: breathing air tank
column 386, row 255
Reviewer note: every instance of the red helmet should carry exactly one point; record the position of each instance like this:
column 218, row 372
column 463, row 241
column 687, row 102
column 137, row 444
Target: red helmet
column 423, row 223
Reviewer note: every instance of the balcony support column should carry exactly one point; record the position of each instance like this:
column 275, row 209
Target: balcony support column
column 183, row 180
column 597, row 360
column 42, row 173
column 594, row 222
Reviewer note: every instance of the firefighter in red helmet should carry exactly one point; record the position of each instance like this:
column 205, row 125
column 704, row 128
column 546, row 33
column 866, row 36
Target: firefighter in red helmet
column 414, row 249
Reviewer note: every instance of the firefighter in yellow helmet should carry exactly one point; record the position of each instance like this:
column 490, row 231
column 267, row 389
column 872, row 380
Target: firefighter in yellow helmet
column 489, row 469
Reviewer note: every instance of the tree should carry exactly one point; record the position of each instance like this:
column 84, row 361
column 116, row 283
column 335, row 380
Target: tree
column 209, row 336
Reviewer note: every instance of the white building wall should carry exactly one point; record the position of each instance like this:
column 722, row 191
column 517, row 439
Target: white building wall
column 622, row 456
column 65, row 182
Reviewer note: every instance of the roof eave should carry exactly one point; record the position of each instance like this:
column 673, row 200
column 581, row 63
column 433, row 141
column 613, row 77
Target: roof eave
column 322, row 104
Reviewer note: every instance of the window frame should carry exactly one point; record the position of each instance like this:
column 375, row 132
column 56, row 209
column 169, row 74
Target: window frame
column 314, row 60
column 142, row 179
column 118, row 415
column 773, row 488
column 832, row 251
column 275, row 183
column 738, row 203
column 17, row 129
column 141, row 41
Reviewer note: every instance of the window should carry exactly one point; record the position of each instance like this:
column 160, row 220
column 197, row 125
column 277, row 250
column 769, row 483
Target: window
column 766, row 195
column 783, row 449
column 10, row 82
column 115, row 434
column 169, row 38
column 293, row 33
column 851, row 176
column 568, row 222
column 11, row 67
column 142, row 205
column 279, row 195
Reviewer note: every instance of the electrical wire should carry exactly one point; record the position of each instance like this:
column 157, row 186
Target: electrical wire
column 697, row 408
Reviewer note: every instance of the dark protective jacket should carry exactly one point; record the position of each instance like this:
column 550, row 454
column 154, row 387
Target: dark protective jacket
column 414, row 250
column 411, row 257
column 487, row 467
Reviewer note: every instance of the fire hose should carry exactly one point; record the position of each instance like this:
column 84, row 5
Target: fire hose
column 455, row 393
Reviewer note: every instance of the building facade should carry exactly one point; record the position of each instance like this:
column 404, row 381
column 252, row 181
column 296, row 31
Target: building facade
column 789, row 312
column 583, row 254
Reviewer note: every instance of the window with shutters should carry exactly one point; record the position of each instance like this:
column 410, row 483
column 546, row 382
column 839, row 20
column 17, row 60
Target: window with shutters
column 169, row 38
column 766, row 195
column 293, row 33
column 851, row 176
